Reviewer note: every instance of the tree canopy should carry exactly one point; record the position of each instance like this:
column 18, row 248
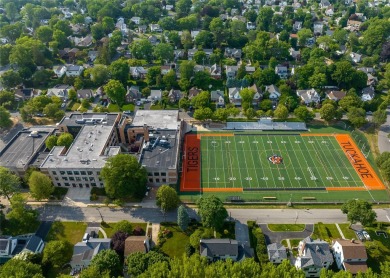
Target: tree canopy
column 123, row 177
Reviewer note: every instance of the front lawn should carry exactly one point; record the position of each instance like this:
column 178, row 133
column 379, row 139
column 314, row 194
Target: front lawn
column 325, row 232
column 348, row 232
column 286, row 227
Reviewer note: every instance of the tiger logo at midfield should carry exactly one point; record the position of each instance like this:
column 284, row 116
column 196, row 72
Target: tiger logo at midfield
column 275, row 159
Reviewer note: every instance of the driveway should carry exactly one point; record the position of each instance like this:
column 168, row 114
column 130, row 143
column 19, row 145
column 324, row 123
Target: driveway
column 384, row 130
column 242, row 234
column 277, row 237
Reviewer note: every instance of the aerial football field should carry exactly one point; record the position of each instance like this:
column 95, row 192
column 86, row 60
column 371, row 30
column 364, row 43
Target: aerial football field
column 278, row 167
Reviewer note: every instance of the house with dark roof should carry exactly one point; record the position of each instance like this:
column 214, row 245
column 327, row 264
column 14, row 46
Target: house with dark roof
column 219, row 249
column 84, row 252
column 350, row 255
column 13, row 245
column 276, row 253
column 136, row 244
column 313, row 255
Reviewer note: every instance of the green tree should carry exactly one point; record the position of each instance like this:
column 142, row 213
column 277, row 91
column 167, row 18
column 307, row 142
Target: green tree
column 379, row 117
column 328, row 112
column 357, row 116
column 115, row 91
column 51, row 142
column 123, row 226
column 281, row 112
column 20, row 269
column 303, row 114
column 359, row 211
column 5, row 118
column 119, row 70
column 65, row 139
column 21, row 218
column 54, row 253
column 124, row 176
column 9, row 183
column 40, row 185
column 167, row 198
column 212, row 212
column 183, row 218
column 107, row 260
column 163, row 52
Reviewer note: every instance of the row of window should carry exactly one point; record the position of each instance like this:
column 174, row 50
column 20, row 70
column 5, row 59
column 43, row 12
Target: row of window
column 157, row 174
column 83, row 173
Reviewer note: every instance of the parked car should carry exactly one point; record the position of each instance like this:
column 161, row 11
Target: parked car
column 366, row 235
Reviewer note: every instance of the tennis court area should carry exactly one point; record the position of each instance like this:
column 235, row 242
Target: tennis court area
column 281, row 162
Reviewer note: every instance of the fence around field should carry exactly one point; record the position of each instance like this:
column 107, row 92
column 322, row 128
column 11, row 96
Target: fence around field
column 266, row 124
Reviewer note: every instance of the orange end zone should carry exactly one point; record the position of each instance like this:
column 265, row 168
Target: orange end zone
column 222, row 189
column 190, row 177
column 345, row 189
column 359, row 163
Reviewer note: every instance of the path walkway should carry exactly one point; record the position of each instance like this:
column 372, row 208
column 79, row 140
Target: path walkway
column 340, row 231
column 277, row 237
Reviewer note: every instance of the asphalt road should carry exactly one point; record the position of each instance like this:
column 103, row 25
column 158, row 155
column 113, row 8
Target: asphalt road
column 384, row 130
column 287, row 216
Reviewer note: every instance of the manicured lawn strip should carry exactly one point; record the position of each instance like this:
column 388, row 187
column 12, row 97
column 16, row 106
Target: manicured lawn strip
column 175, row 245
column 348, row 233
column 286, row 227
column 109, row 228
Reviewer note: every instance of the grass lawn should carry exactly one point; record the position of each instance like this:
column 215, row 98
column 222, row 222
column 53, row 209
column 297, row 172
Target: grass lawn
column 325, row 232
column 113, row 108
column 286, row 227
column 378, row 250
column 175, row 245
column 128, row 107
column 348, row 233
column 109, row 228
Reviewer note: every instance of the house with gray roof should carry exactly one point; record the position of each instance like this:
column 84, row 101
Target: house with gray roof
column 276, row 253
column 313, row 255
column 219, row 249
column 84, row 252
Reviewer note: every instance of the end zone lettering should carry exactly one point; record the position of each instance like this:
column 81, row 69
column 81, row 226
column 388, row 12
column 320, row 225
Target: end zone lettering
column 357, row 161
column 192, row 154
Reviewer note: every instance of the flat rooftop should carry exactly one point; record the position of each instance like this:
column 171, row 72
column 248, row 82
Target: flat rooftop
column 23, row 147
column 80, row 119
column 163, row 155
column 87, row 150
column 157, row 119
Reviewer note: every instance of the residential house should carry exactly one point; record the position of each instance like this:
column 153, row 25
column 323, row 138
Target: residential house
column 138, row 72
column 336, row 95
column 85, row 94
column 313, row 255
column 74, row 70
column 13, row 245
column 308, row 96
column 233, row 53
column 297, row 26
column 193, row 92
column 281, row 71
column 273, row 91
column 59, row 71
column 59, row 90
column 215, row 71
column 356, row 58
column 219, row 249
column 350, row 255
column 135, row 244
column 133, row 93
column 155, row 28
column 174, row 95
column 25, row 93
column 276, row 253
column 368, row 93
column 155, row 95
column 136, row 20
column 92, row 55
column 234, row 96
column 231, row 71
column 85, row 251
